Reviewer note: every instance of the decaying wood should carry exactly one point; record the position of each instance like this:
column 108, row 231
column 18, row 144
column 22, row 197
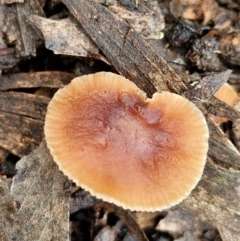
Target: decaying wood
column 10, row 1
column 35, row 207
column 22, row 117
column 22, row 114
column 207, row 86
column 19, row 29
column 130, row 54
column 19, row 134
column 148, row 22
column 51, row 79
column 217, row 197
column 24, row 104
column 7, row 58
column 220, row 148
column 135, row 59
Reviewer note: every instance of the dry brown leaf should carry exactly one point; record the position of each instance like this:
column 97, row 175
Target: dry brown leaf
column 36, row 208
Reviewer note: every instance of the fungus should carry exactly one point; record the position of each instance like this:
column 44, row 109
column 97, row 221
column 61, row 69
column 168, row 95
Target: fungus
column 228, row 95
column 142, row 154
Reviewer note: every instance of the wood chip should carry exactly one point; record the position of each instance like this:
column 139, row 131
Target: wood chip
column 20, row 103
column 207, row 86
column 66, row 37
column 19, row 30
column 51, row 79
column 10, row 1
column 19, row 134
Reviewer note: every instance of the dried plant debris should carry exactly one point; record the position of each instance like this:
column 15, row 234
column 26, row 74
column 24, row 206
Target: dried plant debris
column 204, row 53
column 7, row 58
column 230, row 48
column 207, row 86
column 36, row 208
column 109, row 233
column 18, row 28
column 50, row 79
column 182, row 32
column 207, row 10
column 179, row 221
column 148, row 24
column 66, row 37
column 10, row 1
column 24, row 104
column 7, row 54
column 19, row 134
column 22, row 115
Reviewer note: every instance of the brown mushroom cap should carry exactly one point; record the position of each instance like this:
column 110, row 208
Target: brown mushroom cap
column 142, row 154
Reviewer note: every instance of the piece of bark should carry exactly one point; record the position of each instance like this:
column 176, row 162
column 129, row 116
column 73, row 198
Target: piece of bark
column 18, row 28
column 148, row 23
column 19, row 134
column 10, row 1
column 221, row 109
column 207, row 86
column 220, row 147
column 50, row 79
column 24, row 104
column 66, row 37
column 35, row 208
column 130, row 54
column 217, row 197
column 7, row 58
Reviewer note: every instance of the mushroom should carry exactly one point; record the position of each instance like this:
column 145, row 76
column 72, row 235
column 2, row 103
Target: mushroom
column 228, row 95
column 142, row 154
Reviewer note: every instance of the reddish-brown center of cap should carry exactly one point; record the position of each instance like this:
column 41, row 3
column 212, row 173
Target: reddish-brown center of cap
column 134, row 151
